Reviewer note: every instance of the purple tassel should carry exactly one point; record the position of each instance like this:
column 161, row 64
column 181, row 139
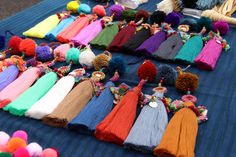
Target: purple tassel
column 8, row 76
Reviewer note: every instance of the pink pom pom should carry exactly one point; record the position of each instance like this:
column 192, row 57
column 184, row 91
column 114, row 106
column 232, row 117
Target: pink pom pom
column 221, row 26
column 35, row 150
column 4, row 137
column 99, row 10
column 21, row 134
column 3, row 148
column 50, row 152
column 21, row 152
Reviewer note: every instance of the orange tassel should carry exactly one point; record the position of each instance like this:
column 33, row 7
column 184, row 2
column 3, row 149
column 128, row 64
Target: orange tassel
column 180, row 136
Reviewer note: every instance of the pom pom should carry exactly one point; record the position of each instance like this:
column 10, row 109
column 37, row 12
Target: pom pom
column 99, row 10
column 192, row 23
column 31, row 62
column 116, row 10
column 49, row 152
column 221, row 26
column 128, row 15
column 167, row 74
column 116, row 64
column 189, row 4
column 14, row 45
column 173, row 18
column 186, row 82
column 5, row 154
column 35, row 150
column 22, row 152
column 204, row 22
column 28, row 46
column 86, row 58
column 15, row 143
column 72, row 55
column 147, row 71
column 2, row 41
column 84, row 8
column 44, row 53
column 101, row 60
column 72, row 6
column 158, row 17
column 142, row 14
column 4, row 137
column 21, row 134
column 60, row 52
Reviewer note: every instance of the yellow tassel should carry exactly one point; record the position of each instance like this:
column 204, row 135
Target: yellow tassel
column 215, row 16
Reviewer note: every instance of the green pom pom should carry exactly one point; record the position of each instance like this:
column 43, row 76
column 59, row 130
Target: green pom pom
column 73, row 55
column 128, row 15
column 204, row 22
column 2, row 154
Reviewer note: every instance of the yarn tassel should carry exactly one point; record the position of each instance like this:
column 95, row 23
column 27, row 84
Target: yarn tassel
column 8, row 76
column 190, row 50
column 52, row 99
column 180, row 136
column 94, row 112
column 104, row 38
column 42, row 28
column 71, row 105
column 74, row 28
column 17, row 87
column 149, row 127
column 32, row 95
column 88, row 33
column 203, row 5
column 133, row 4
column 117, row 124
column 169, row 48
column 64, row 23
column 86, row 58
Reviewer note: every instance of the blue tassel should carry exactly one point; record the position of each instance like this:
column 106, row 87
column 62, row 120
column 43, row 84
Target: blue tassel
column 94, row 112
column 208, row 4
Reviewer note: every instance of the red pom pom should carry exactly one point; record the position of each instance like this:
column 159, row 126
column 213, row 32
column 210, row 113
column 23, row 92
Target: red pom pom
column 99, row 10
column 14, row 44
column 147, row 71
column 28, row 46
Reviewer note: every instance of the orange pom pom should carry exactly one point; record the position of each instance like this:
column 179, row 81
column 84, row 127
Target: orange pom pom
column 147, row 71
column 15, row 143
column 28, row 46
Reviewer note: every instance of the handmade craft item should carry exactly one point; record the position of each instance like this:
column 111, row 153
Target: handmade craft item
column 88, row 33
column 117, row 124
column 166, row 74
column 86, row 57
column 180, row 136
column 191, row 49
column 75, row 27
column 102, row 60
column 74, row 102
column 27, row 47
column 128, row 15
column 116, row 11
column 127, row 32
column 151, row 123
column 158, row 17
column 100, row 105
column 18, row 86
column 42, row 28
column 64, row 23
column 21, row 104
column 211, row 52
column 61, row 51
column 84, row 9
column 133, row 4
column 221, row 26
column 173, row 18
column 49, row 102
column 73, row 6
column 8, row 76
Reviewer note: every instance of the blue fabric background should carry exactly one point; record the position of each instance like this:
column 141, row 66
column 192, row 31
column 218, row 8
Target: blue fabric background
column 216, row 138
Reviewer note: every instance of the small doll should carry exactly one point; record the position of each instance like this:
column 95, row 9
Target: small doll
column 151, row 123
column 117, row 124
column 210, row 53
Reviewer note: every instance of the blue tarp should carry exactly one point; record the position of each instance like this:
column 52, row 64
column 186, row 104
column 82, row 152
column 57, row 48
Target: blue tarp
column 216, row 138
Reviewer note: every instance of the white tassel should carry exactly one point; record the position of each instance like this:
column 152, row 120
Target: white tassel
column 166, row 6
column 52, row 99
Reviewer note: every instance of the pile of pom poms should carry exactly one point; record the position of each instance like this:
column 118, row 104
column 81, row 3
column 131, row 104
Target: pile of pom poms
column 17, row 145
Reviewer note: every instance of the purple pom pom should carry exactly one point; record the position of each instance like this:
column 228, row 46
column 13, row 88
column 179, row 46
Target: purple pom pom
column 117, row 10
column 31, row 62
column 221, row 26
column 2, row 42
column 44, row 53
column 173, row 18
